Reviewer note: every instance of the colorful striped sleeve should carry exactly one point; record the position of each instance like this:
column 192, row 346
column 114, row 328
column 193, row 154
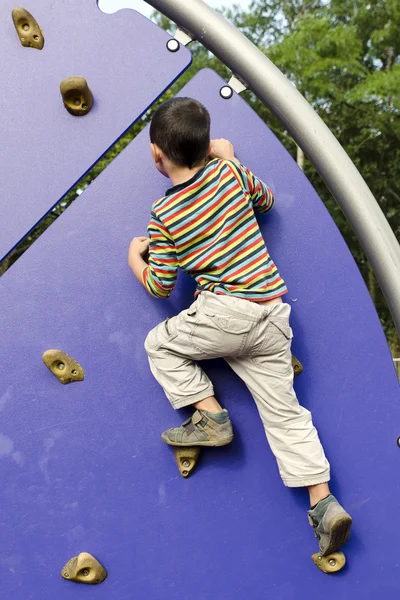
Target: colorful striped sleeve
column 160, row 276
column 261, row 195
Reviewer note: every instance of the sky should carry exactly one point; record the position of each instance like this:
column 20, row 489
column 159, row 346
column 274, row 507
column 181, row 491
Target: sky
column 110, row 6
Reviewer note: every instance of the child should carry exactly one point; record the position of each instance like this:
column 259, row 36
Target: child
column 205, row 225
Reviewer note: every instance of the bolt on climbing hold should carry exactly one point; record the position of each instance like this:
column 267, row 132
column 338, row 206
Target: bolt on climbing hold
column 29, row 32
column 84, row 568
column 331, row 563
column 186, row 458
column 76, row 95
column 65, row 368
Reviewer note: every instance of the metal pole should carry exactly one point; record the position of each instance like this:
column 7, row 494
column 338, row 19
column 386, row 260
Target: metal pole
column 308, row 130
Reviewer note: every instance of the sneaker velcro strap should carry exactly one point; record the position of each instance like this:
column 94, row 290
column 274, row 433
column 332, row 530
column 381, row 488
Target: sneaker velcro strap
column 197, row 417
column 189, row 428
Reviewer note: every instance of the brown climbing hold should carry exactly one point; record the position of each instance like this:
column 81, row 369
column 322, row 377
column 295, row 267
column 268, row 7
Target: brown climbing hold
column 29, row 32
column 331, row 563
column 297, row 366
column 76, row 95
column 186, row 458
column 84, row 568
column 65, row 368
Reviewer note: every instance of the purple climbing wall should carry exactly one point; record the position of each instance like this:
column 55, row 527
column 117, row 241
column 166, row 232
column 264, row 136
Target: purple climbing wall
column 45, row 150
column 83, row 467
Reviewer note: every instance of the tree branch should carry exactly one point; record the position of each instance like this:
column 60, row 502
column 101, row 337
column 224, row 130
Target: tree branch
column 394, row 194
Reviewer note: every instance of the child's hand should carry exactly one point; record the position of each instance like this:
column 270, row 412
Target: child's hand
column 222, row 149
column 138, row 247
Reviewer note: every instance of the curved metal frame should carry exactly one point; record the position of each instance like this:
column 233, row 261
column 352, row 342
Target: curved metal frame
column 307, row 129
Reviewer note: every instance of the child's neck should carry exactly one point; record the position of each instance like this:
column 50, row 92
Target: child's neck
column 178, row 174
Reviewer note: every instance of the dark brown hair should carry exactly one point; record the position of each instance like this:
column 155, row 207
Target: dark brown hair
column 181, row 128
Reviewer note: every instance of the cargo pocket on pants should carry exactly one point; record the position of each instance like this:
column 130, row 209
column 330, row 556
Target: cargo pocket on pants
column 219, row 335
column 162, row 334
column 274, row 354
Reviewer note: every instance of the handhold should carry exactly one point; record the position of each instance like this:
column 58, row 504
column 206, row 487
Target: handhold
column 65, row 368
column 29, row 32
column 84, row 568
column 331, row 563
column 186, row 458
column 297, row 366
column 76, row 94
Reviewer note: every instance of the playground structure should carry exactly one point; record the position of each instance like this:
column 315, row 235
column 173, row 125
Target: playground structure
column 79, row 475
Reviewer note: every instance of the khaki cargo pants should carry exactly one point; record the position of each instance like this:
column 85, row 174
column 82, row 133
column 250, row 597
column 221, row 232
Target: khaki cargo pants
column 255, row 341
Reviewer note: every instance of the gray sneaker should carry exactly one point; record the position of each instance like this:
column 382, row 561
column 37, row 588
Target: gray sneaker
column 200, row 430
column 331, row 525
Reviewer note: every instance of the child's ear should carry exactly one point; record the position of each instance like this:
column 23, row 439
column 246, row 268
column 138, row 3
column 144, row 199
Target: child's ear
column 155, row 153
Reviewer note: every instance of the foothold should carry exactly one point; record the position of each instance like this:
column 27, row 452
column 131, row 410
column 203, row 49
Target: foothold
column 186, row 458
column 84, row 569
column 226, row 92
column 398, row 442
column 29, row 32
column 297, row 366
column 65, row 368
column 76, row 95
column 173, row 45
column 331, row 563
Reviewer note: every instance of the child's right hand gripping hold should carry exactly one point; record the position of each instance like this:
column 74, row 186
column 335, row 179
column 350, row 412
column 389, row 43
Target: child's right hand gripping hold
column 260, row 194
column 222, row 149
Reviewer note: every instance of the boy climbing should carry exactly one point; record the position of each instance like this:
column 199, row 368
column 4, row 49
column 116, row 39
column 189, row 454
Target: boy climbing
column 205, row 225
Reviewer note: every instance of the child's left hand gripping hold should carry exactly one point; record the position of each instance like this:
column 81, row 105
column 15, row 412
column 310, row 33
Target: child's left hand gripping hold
column 137, row 256
column 153, row 261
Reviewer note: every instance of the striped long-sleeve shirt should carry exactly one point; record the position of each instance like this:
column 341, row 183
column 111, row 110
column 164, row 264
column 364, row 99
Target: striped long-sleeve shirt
column 207, row 227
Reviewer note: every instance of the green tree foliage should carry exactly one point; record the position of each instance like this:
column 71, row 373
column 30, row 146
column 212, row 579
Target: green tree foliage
column 344, row 57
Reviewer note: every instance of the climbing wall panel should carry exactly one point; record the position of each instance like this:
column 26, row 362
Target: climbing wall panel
column 83, row 466
column 44, row 149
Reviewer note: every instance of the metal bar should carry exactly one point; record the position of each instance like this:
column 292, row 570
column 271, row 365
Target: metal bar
column 308, row 130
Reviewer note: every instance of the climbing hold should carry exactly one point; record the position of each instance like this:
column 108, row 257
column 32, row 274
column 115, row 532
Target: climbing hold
column 29, row 32
column 297, row 366
column 76, row 95
column 331, row 563
column 65, row 368
column 84, row 568
column 186, row 458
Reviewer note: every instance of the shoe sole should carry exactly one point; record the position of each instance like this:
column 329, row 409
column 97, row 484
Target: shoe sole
column 340, row 533
column 211, row 443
